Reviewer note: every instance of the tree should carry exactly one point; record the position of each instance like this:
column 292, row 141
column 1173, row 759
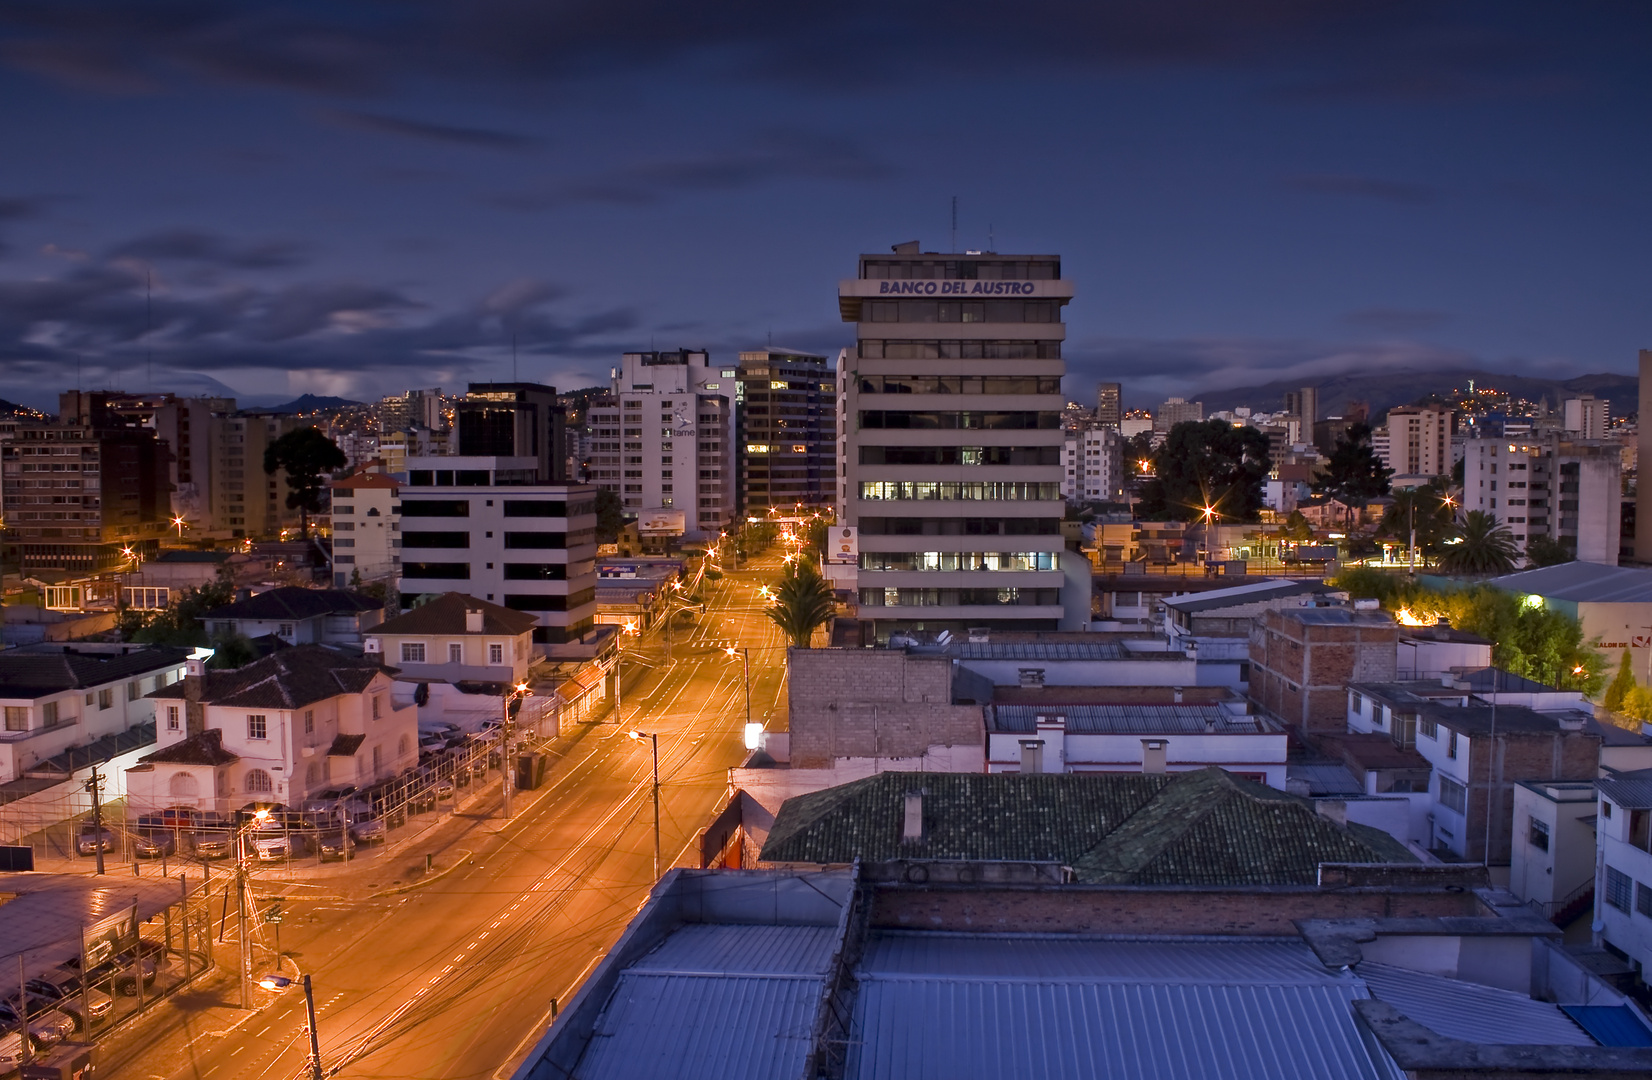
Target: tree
column 610, row 516
column 1205, row 466
column 181, row 623
column 802, row 603
column 1354, row 473
column 1296, row 528
column 1542, row 551
column 1482, row 546
column 1427, row 509
column 1622, row 686
column 304, row 454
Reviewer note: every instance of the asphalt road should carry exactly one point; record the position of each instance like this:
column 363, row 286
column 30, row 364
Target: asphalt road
column 455, row 977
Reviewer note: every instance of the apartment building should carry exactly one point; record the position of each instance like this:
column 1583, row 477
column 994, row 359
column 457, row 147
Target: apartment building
column 785, row 446
column 1623, row 899
column 186, row 424
column 243, row 499
column 1108, row 407
column 665, row 442
column 1416, row 440
column 949, row 413
column 1177, row 411
column 366, row 514
column 1586, row 417
column 483, row 527
column 1094, row 464
column 1568, row 491
column 88, row 493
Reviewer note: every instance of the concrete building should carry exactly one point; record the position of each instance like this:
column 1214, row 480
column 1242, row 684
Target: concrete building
column 456, row 637
column 785, row 445
column 1623, row 897
column 1643, row 452
column 187, row 425
column 57, row 697
column 413, row 409
column 396, row 447
column 1552, row 860
column 88, row 493
column 1220, row 620
column 275, row 731
column 1569, row 492
column 514, row 420
column 1094, row 464
column 367, row 523
column 1303, row 406
column 1302, row 661
column 1586, row 417
column 949, row 413
column 1177, row 411
column 299, row 616
column 482, row 527
column 1109, row 405
column 1416, row 440
column 664, row 442
column 244, row 500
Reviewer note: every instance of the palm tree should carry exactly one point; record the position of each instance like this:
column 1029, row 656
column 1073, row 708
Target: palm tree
column 802, row 602
column 1426, row 509
column 1482, row 547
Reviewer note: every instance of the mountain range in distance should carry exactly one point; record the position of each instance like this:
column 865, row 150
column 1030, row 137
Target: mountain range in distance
column 309, row 403
column 1384, row 391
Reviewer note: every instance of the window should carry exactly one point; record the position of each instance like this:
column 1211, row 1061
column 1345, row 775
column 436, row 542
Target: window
column 258, row 727
column 17, row 718
column 1617, row 889
column 412, row 652
column 455, row 652
column 309, row 721
column 1537, row 834
column 172, row 718
column 1643, row 900
column 48, row 714
column 259, row 780
column 284, row 630
column 377, row 761
column 436, row 539
column 1429, row 728
column 1451, row 745
column 133, row 691
column 455, row 570
column 496, row 653
column 1453, row 796
column 1357, row 700
column 377, row 705
column 106, row 698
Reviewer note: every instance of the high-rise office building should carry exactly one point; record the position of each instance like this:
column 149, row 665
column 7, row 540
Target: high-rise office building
column 413, row 409
column 1177, row 411
column 514, row 419
column 949, row 415
column 1108, row 410
column 1094, row 464
column 1416, row 440
column 664, row 442
column 786, row 430
column 1569, row 491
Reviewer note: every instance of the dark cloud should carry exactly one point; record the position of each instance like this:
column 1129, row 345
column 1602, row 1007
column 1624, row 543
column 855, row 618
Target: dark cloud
column 773, row 155
column 16, row 209
column 430, row 132
column 197, row 246
column 1364, row 187
column 1396, row 320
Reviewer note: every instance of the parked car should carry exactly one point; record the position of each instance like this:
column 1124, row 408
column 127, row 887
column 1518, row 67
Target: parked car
column 47, row 1027
column 121, row 971
column 336, row 845
column 212, row 843
column 62, row 988
column 277, row 846
column 154, row 843
column 326, row 800
column 90, row 838
column 444, row 790
column 374, row 831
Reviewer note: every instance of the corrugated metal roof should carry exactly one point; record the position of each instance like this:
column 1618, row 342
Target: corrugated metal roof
column 743, row 950
column 1126, row 719
column 1582, row 582
column 1325, row 779
column 1256, row 592
column 1611, row 1025
column 1093, row 959
column 1469, row 1011
column 1033, row 650
column 695, row 1027
column 913, row 1028
column 1629, row 792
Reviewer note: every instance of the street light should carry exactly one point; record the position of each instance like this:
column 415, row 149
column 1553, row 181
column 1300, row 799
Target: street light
column 281, row 982
column 745, row 661
column 259, row 817
column 519, row 691
column 654, row 742
column 619, row 675
column 178, row 522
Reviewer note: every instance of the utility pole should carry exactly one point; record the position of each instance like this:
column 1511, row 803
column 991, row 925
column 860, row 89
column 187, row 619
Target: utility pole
column 1411, row 500
column 505, row 764
column 95, row 786
column 654, row 740
column 315, row 1041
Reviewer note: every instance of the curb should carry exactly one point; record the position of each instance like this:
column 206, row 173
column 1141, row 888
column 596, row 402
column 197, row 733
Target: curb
column 464, row 860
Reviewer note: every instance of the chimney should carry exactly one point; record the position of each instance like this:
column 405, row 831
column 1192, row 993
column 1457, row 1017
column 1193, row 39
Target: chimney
column 1177, row 692
column 194, row 707
column 1333, row 810
column 1032, row 755
column 1153, row 755
column 912, row 825
column 473, row 620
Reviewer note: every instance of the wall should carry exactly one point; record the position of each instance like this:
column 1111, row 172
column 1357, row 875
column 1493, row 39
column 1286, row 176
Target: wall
column 78, row 723
column 60, row 802
column 474, row 663
column 1300, row 671
column 1550, row 877
column 873, row 703
column 1261, row 753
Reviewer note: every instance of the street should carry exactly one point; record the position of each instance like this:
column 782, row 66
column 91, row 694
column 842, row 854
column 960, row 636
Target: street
column 455, row 977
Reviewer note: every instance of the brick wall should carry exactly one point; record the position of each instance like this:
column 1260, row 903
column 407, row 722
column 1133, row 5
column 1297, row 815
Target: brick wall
column 871, row 703
column 1300, row 671
column 1558, row 755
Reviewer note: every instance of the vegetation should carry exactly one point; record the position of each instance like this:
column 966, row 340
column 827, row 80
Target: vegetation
column 304, row 454
column 802, row 603
column 1209, row 466
column 1482, row 546
column 1296, row 527
column 1427, row 510
column 1536, row 642
column 610, row 516
column 181, row 623
column 1542, row 551
column 1617, row 695
column 1354, row 472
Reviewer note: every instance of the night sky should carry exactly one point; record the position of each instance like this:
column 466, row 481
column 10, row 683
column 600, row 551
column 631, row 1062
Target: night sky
column 354, row 198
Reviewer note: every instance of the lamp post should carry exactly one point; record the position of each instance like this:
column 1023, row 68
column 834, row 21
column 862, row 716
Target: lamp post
column 745, row 663
column 178, row 523
column 279, row 982
column 517, row 692
column 654, row 743
column 619, row 675
column 258, row 818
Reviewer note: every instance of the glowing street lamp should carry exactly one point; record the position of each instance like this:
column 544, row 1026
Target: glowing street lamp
column 654, row 741
column 178, row 523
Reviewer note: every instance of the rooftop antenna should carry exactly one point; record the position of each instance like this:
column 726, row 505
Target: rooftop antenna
column 149, row 307
column 992, row 245
column 955, row 224
column 513, row 356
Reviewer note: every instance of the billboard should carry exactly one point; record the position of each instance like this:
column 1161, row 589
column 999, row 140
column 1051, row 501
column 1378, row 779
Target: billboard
column 842, row 544
column 661, row 523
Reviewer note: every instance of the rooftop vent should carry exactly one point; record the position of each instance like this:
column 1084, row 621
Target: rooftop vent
column 473, row 620
column 912, row 824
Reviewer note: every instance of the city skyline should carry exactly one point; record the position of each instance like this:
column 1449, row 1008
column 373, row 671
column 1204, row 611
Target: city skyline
column 339, row 200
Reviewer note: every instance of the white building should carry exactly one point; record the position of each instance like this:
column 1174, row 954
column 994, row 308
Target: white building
column 1553, row 860
column 298, row 616
column 1094, row 464
column 456, row 637
column 1416, row 440
column 366, row 510
column 665, row 442
column 476, row 526
column 275, row 731
column 1623, row 892
column 1570, row 492
column 56, row 697
column 1586, row 417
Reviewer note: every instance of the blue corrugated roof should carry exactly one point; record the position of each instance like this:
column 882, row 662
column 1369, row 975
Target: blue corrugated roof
column 1611, row 1025
column 733, row 949
column 1470, row 1011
